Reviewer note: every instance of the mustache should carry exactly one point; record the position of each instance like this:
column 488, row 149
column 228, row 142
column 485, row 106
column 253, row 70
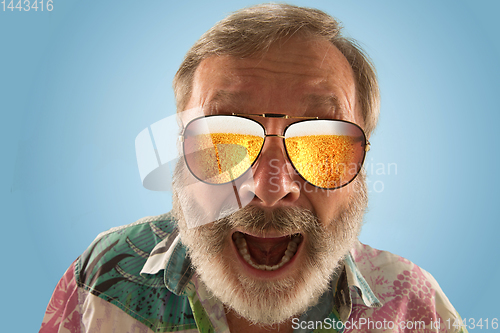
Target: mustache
column 286, row 220
column 282, row 219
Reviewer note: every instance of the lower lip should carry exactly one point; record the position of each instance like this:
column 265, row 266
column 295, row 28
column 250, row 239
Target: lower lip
column 258, row 273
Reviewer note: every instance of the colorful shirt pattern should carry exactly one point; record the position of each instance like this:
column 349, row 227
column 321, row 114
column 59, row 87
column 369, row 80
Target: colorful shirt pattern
column 138, row 279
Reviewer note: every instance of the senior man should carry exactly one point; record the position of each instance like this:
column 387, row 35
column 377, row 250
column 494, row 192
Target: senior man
column 283, row 109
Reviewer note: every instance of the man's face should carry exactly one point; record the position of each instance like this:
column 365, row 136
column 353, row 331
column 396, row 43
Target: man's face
column 296, row 77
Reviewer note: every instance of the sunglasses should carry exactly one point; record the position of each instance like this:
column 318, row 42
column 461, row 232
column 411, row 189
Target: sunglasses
column 326, row 153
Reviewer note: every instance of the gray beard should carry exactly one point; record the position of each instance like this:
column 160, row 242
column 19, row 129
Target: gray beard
column 270, row 302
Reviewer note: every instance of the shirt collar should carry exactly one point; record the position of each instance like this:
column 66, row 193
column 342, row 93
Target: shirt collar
column 355, row 279
column 171, row 256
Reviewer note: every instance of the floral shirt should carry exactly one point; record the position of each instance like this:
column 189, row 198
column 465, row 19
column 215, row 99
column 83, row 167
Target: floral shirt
column 138, row 278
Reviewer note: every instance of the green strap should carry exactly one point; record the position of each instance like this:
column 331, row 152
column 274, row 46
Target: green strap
column 200, row 315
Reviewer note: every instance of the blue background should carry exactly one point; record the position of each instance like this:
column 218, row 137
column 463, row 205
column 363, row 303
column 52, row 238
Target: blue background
column 79, row 83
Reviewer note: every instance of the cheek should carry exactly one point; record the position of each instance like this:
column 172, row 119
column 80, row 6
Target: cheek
column 203, row 194
column 327, row 204
column 202, row 203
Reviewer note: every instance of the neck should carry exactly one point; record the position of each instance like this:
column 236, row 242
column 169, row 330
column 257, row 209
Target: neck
column 239, row 324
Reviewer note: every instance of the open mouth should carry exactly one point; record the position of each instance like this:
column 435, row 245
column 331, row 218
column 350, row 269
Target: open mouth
column 266, row 254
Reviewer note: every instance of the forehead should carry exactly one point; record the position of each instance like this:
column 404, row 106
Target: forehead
column 297, row 76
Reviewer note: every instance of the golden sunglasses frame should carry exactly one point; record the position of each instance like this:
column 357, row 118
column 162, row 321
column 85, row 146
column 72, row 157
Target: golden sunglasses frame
column 282, row 136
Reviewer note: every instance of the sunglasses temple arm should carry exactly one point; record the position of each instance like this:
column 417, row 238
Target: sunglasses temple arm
column 367, row 143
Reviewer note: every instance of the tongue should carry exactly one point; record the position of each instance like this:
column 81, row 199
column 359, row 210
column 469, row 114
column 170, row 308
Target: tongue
column 267, row 251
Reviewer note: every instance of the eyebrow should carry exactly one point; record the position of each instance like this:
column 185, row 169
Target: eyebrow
column 329, row 103
column 226, row 98
column 313, row 103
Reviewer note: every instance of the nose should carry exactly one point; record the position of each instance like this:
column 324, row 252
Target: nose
column 274, row 182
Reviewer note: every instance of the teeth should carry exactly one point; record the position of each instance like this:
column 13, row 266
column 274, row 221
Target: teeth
column 241, row 243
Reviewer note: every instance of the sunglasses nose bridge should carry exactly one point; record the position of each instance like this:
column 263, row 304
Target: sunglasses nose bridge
column 275, row 135
column 273, row 175
column 273, row 157
column 270, row 142
column 272, row 149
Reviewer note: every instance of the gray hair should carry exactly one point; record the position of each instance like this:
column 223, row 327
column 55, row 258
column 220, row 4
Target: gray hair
column 253, row 30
